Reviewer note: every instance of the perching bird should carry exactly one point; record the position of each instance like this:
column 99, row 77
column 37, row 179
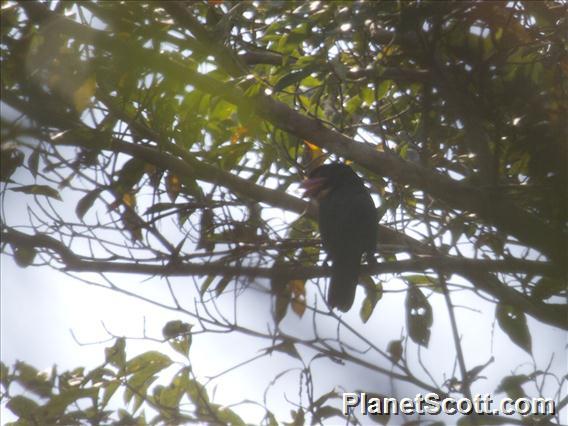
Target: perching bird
column 348, row 227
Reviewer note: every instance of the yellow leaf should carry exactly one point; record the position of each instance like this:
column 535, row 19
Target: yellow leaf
column 82, row 96
column 129, row 199
column 173, row 186
column 238, row 134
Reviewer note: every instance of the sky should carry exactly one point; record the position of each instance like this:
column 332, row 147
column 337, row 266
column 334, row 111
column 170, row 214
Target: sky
column 48, row 318
column 40, row 306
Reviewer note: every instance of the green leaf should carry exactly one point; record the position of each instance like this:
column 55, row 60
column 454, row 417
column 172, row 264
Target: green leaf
column 4, row 375
column 326, row 412
column 206, row 284
column 11, row 159
column 421, row 280
column 38, row 190
column 24, row 256
column 294, row 77
column 116, row 355
column 130, row 174
column 222, row 284
column 175, row 328
column 181, row 344
column 514, row 323
column 151, row 360
column 228, row 417
column 170, row 396
column 298, row 418
column 33, row 162
column 286, row 347
column 395, row 350
column 86, row 202
column 512, row 386
column 196, row 393
column 374, row 294
column 22, row 407
column 58, row 404
column 418, row 316
column 110, row 389
column 31, row 379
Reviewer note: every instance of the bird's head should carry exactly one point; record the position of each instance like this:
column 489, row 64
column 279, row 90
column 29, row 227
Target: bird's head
column 323, row 179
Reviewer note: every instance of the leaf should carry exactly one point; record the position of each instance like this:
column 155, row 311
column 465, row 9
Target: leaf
column 150, row 360
column 129, row 199
column 293, row 77
column 206, row 227
column 130, row 174
column 382, row 419
column 196, row 392
column 58, row 404
column 182, row 344
column 374, row 293
column 116, row 355
column 281, row 308
column 418, row 316
column 82, row 96
column 132, row 224
column 31, row 379
column 175, row 328
column 222, row 284
column 512, row 386
column 420, row 280
column 4, row 375
column 24, row 256
column 11, row 159
column 238, row 134
column 110, row 389
column 33, row 162
column 22, row 407
column 395, row 350
column 170, row 396
column 514, row 323
column 298, row 291
column 286, row 347
column 86, row 202
column 298, row 418
column 38, row 190
column 326, row 412
column 226, row 416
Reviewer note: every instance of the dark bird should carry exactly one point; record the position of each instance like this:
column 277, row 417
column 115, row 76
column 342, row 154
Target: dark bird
column 348, row 227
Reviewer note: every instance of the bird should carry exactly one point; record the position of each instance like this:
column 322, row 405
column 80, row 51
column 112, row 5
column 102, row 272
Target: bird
column 348, row 226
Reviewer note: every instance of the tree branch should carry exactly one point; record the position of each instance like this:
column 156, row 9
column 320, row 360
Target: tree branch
column 548, row 313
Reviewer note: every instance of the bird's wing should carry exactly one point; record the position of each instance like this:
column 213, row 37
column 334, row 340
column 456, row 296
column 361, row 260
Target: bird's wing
column 348, row 222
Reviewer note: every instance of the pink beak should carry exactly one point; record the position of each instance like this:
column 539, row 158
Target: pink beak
column 313, row 186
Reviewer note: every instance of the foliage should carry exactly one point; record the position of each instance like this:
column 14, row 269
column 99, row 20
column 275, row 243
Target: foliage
column 178, row 132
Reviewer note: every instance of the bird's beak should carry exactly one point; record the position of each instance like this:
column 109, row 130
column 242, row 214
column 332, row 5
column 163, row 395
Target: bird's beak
column 313, row 186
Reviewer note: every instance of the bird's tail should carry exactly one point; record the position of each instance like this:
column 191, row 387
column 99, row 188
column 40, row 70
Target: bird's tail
column 344, row 278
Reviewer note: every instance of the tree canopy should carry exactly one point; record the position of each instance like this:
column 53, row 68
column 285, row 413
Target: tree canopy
column 168, row 139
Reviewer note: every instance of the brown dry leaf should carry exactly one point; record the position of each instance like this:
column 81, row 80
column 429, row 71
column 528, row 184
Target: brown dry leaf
column 298, row 291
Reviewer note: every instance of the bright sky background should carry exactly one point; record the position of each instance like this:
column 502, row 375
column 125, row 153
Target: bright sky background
column 39, row 307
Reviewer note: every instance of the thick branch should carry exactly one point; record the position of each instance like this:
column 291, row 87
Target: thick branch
column 505, row 215
column 549, row 313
